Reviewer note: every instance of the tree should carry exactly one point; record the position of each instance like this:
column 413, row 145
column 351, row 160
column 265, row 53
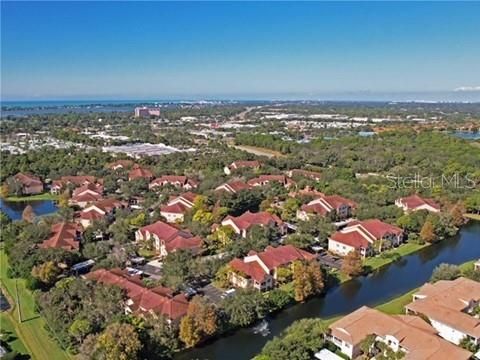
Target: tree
column 445, row 272
column 367, row 344
column 63, row 199
column 201, row 321
column 428, row 232
column 300, row 341
column 245, row 307
column 4, row 191
column 80, row 328
column 47, row 272
column 119, row 342
column 352, row 264
column 221, row 237
column 28, row 214
column 178, row 268
column 456, row 213
column 307, row 279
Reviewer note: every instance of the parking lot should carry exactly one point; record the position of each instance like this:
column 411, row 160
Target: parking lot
column 330, row 261
column 213, row 293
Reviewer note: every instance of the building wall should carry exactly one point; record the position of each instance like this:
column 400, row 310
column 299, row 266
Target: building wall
column 447, row 332
column 172, row 217
column 339, row 248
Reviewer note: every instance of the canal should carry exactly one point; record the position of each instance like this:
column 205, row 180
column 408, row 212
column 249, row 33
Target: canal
column 388, row 282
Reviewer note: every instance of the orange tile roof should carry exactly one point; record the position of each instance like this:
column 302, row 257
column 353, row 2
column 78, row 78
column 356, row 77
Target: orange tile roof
column 64, row 236
column 418, row 339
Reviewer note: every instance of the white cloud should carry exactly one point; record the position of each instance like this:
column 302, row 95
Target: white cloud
column 468, row 88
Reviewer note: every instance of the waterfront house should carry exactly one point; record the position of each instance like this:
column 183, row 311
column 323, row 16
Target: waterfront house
column 415, row 203
column 326, row 205
column 143, row 301
column 408, row 334
column 178, row 181
column 241, row 164
column 365, row 236
column 30, row 184
column 65, row 236
column 260, row 270
column 167, row 238
column 243, row 223
column 176, row 208
column 451, row 306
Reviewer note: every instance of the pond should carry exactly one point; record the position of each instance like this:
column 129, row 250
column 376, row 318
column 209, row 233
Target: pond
column 14, row 209
column 467, row 135
column 393, row 280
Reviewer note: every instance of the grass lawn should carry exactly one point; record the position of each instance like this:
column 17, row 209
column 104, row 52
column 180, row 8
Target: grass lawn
column 7, row 326
column 473, row 216
column 392, row 255
column 44, row 196
column 31, row 331
column 396, row 305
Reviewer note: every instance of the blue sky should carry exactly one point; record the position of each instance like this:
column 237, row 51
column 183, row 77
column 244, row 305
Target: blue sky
column 125, row 50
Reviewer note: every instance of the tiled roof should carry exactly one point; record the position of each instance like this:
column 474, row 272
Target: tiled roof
column 244, row 164
column 271, row 258
column 414, row 201
column 64, row 236
column 28, row 179
column 233, row 186
column 249, row 219
column 446, row 301
column 159, row 300
column 362, row 233
column 177, row 208
column 138, row 172
column 173, row 238
column 418, row 339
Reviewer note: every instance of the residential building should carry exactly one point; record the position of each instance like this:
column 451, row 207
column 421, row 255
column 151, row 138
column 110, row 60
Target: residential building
column 65, row 236
column 264, row 180
column 30, row 184
column 147, row 111
column 157, row 301
column 451, row 307
column 326, row 205
column 139, row 172
column 174, row 211
column 99, row 210
column 241, row 164
column 364, row 236
column 178, row 181
column 167, row 238
column 233, row 187
column 401, row 333
column 415, row 203
column 121, row 164
column 260, row 270
column 76, row 181
column 86, row 194
column 243, row 223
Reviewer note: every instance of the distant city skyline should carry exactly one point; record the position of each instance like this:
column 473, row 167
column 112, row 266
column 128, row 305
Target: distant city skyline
column 217, row 50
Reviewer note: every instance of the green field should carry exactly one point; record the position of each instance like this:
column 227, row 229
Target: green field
column 396, row 305
column 473, row 216
column 44, row 196
column 31, row 331
column 392, row 255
